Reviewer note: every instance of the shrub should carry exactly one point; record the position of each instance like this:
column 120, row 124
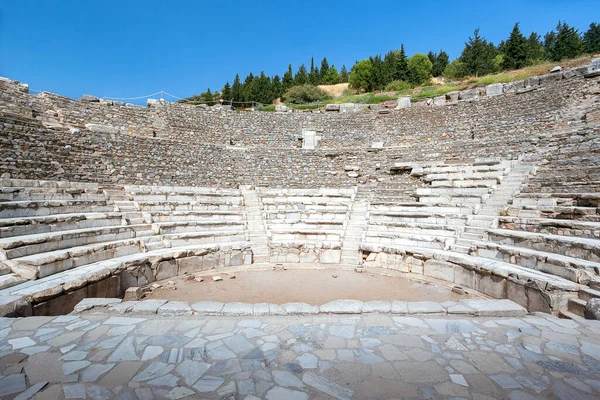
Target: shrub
column 419, row 69
column 303, row 94
column 397, row 86
column 454, row 70
column 361, row 75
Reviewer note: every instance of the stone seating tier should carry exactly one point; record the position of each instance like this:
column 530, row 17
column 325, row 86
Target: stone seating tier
column 588, row 249
column 59, row 293
column 534, row 290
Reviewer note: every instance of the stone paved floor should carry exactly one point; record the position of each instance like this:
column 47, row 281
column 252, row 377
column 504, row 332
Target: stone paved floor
column 318, row 357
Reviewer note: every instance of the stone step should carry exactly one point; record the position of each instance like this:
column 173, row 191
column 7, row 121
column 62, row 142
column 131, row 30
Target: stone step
column 480, row 223
column 569, row 315
column 472, row 236
column 577, row 306
column 460, row 249
column 588, row 294
column 464, row 242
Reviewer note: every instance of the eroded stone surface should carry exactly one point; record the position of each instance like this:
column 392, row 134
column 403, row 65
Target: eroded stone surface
column 305, row 356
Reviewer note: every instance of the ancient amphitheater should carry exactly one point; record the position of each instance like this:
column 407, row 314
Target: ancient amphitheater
column 489, row 196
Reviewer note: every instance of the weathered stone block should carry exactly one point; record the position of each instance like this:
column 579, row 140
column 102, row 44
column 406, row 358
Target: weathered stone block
column 132, row 294
column 342, row 307
column 593, row 68
column 471, row 94
column 439, row 270
column 492, row 285
column 332, row 107
column 166, row 269
column 403, row 102
column 494, row 89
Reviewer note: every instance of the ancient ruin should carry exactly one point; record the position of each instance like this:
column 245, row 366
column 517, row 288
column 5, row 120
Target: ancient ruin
column 492, row 193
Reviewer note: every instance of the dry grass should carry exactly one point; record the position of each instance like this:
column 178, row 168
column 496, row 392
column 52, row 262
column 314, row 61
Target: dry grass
column 335, row 90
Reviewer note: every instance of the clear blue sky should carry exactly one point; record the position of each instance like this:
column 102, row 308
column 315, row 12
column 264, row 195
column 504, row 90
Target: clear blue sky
column 131, row 48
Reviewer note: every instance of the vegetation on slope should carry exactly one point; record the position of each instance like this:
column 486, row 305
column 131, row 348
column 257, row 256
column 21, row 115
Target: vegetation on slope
column 481, row 62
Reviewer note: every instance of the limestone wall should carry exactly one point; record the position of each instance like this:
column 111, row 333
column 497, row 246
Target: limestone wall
column 45, row 137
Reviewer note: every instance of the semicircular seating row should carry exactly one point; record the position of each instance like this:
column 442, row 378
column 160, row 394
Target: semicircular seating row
column 64, row 237
column 477, row 225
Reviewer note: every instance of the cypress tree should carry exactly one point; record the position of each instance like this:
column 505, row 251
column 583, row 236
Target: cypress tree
column 344, row 74
column 236, row 89
column 288, row 78
column 515, row 50
column 591, row 39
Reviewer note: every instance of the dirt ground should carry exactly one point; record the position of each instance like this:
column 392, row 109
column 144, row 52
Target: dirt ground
column 314, row 287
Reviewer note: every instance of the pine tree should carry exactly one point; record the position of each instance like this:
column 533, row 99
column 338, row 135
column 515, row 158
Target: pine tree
column 478, row 55
column 207, row 97
column 332, row 77
column 288, row 78
column 563, row 42
column 313, row 77
column 514, row 50
column 301, row 77
column 591, row 39
column 226, row 92
column 535, row 49
column 248, row 88
column 431, row 56
column 277, row 87
column 324, row 69
column 377, row 81
column 262, row 89
column 344, row 74
column 236, row 89
column 401, row 73
column 389, row 67
column 441, row 62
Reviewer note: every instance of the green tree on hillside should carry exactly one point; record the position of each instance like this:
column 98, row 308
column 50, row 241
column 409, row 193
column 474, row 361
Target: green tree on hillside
column 535, row 49
column 454, row 70
column 591, row 39
column 207, row 96
column 332, row 77
column 563, row 42
column 515, row 50
column 389, row 67
column 401, row 70
column 226, row 92
column 277, row 87
column 324, row 69
column 377, row 81
column 301, row 77
column 419, row 69
column 236, row 89
column 288, row 78
column 314, row 77
column 439, row 62
column 478, row 55
column 360, row 76
column 344, row 74
column 248, row 88
column 262, row 89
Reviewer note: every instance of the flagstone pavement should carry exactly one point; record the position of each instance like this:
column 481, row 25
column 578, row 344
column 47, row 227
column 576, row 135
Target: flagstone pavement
column 369, row 356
